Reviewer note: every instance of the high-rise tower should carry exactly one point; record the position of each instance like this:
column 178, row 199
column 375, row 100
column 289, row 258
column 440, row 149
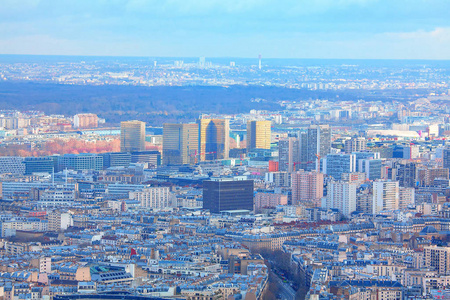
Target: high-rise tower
column 214, row 139
column 318, row 144
column 180, row 143
column 288, row 154
column 132, row 136
column 258, row 134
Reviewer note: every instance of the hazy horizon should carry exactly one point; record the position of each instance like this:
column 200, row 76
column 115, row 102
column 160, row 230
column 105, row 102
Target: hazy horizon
column 223, row 57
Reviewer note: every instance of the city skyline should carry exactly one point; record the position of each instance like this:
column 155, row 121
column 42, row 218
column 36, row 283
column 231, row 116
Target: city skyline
column 225, row 149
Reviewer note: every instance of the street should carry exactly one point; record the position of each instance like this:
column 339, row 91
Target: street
column 286, row 292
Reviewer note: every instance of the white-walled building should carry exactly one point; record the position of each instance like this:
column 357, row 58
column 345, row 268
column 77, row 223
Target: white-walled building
column 45, row 265
column 385, row 196
column 58, row 221
column 342, row 196
column 153, row 197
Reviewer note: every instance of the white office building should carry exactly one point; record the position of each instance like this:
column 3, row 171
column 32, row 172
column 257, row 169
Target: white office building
column 342, row 196
column 385, row 196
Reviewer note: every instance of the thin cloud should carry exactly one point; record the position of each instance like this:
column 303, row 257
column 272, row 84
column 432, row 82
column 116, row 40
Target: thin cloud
column 289, row 28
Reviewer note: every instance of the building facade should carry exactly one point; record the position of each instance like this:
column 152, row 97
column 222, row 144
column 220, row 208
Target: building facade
column 132, row 136
column 258, row 134
column 318, row 143
column 213, row 139
column 288, row 154
column 180, row 144
column 342, row 196
column 307, row 187
column 355, row 144
column 78, row 162
column 12, row 165
column 337, row 164
column 39, row 165
column 385, row 196
column 85, row 121
column 227, row 194
column 116, row 159
column 153, row 197
column 269, row 199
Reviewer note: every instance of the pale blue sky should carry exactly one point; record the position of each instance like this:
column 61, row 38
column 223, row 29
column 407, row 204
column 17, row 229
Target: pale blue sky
column 411, row 29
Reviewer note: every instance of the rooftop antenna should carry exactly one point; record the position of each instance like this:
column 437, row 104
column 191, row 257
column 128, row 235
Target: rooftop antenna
column 259, row 65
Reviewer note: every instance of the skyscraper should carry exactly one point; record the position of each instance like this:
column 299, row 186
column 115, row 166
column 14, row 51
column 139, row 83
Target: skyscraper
column 288, row 154
column 258, row 134
column 303, row 145
column 213, row 139
column 405, row 173
column 132, row 136
column 318, row 143
column 180, row 143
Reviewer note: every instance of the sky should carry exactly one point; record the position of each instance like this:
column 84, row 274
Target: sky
column 349, row 29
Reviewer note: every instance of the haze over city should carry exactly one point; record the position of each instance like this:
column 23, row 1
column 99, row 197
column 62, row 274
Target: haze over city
column 238, row 150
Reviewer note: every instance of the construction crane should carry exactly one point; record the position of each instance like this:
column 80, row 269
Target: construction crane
column 318, row 163
column 198, row 154
column 297, row 163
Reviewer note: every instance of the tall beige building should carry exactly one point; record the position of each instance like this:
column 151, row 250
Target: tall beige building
column 307, row 188
column 180, row 144
column 258, row 134
column 385, row 196
column 214, row 138
column 132, row 136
